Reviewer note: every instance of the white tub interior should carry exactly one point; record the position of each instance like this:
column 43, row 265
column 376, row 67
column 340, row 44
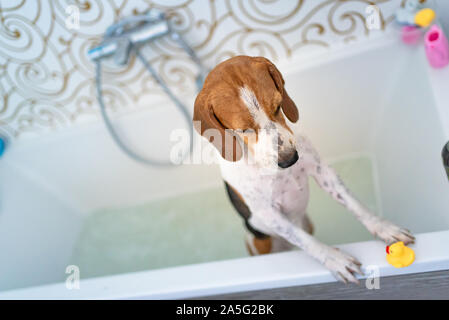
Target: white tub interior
column 65, row 196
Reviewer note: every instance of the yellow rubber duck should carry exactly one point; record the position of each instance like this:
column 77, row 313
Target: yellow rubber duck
column 424, row 17
column 400, row 256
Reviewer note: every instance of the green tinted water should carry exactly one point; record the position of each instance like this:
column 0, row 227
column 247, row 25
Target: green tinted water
column 203, row 226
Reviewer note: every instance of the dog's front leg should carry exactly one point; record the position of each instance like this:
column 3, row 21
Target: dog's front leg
column 329, row 181
column 343, row 266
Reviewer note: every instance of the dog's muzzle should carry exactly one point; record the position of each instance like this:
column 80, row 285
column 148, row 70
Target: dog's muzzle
column 289, row 162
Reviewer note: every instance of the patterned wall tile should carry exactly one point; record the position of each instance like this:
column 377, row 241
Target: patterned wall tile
column 47, row 81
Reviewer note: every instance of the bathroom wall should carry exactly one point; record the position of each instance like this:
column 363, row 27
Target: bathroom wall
column 442, row 6
column 47, row 82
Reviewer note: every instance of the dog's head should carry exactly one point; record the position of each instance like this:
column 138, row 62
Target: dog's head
column 244, row 100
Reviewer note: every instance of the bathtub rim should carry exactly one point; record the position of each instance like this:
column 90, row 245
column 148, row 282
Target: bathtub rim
column 277, row 270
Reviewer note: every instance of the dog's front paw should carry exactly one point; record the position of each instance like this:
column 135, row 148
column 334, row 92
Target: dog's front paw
column 390, row 233
column 343, row 266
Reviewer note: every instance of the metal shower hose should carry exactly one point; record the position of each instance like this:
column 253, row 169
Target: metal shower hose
column 110, row 126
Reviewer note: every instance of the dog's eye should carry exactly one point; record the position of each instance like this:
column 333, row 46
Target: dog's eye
column 278, row 108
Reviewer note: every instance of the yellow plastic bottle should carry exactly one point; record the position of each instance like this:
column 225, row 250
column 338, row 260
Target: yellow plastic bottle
column 424, row 17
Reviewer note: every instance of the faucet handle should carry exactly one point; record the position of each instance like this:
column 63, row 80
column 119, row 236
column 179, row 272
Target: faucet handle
column 121, row 55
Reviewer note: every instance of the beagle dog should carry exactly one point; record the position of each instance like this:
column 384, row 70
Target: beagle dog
column 266, row 168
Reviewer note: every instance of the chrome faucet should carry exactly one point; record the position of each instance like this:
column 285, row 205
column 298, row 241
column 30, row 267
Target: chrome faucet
column 136, row 31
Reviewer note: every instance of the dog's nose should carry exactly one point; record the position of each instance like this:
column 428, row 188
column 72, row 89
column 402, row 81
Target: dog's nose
column 289, row 162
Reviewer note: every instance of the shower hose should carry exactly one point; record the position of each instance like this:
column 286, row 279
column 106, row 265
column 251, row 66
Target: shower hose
column 116, row 137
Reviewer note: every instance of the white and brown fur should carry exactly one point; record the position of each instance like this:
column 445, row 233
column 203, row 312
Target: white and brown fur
column 270, row 189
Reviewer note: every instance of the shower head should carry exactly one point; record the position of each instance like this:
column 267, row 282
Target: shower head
column 133, row 31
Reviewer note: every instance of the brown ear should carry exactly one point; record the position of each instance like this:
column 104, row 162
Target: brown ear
column 288, row 106
column 222, row 138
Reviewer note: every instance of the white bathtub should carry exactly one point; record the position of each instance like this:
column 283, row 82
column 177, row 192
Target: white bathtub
column 377, row 100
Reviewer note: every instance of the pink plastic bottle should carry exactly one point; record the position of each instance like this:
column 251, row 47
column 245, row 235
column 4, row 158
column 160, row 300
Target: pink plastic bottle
column 437, row 47
column 410, row 34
